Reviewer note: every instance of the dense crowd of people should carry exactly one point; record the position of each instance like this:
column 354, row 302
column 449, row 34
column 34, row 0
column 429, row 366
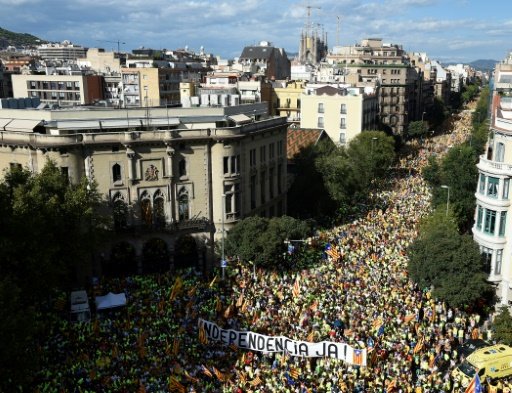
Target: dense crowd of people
column 359, row 293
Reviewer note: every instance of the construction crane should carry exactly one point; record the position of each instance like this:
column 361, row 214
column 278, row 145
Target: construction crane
column 308, row 14
column 118, row 42
column 338, row 31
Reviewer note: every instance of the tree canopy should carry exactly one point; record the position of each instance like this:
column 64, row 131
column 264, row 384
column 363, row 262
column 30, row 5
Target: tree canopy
column 48, row 226
column 348, row 172
column 449, row 262
column 502, row 326
column 262, row 239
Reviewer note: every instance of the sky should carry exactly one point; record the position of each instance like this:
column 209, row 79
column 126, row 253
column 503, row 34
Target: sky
column 450, row 31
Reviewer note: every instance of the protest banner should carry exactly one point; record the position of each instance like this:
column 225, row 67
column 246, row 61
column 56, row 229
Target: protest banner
column 262, row 343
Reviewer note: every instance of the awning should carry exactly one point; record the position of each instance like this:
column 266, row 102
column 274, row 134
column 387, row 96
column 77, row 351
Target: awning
column 22, row 125
column 110, row 300
column 241, row 118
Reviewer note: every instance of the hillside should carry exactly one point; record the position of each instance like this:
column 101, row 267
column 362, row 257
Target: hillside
column 483, row 64
column 18, row 39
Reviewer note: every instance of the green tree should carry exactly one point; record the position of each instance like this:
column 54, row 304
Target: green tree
column 502, row 326
column 437, row 114
column 417, row 129
column 308, row 196
column 449, row 262
column 459, row 172
column 18, row 328
column 47, row 230
column 261, row 239
column 339, row 178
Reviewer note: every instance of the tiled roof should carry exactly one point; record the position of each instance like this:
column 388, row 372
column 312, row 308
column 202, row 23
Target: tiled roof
column 298, row 138
column 257, row 52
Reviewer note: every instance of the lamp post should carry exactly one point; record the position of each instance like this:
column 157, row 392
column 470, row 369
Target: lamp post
column 223, row 260
column 373, row 142
column 423, row 124
column 447, row 197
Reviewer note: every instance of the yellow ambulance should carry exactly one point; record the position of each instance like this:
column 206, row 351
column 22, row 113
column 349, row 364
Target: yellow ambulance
column 493, row 361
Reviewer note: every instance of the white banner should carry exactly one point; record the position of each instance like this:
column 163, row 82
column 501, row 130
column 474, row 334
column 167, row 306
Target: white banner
column 262, row 343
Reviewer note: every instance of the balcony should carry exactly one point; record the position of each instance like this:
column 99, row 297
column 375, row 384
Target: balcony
column 497, row 168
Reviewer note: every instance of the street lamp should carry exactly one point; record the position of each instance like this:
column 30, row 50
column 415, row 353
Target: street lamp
column 223, row 260
column 447, row 197
column 373, row 142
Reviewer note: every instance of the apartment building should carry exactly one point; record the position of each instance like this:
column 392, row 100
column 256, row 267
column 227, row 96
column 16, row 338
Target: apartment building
column 150, row 86
column 163, row 172
column 63, row 51
column 388, row 66
column 342, row 112
column 493, row 205
column 100, row 61
column 286, row 100
column 265, row 59
column 64, row 90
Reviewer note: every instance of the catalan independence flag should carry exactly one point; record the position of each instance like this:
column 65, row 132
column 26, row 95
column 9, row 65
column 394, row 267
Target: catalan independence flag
column 357, row 357
column 474, row 386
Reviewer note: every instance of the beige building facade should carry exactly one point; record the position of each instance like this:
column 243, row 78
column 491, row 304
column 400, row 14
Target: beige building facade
column 343, row 113
column 182, row 171
column 388, row 66
column 286, row 99
column 64, row 90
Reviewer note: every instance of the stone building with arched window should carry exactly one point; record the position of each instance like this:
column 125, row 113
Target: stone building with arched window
column 162, row 172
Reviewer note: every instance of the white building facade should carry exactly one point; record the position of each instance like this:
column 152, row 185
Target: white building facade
column 493, row 196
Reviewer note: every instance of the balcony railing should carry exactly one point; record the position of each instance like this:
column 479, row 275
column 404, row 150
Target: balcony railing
column 484, row 163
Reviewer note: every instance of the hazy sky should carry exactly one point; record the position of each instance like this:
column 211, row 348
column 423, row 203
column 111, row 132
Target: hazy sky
column 448, row 30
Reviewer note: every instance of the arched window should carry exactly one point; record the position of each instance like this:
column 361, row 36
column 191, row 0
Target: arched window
column 183, row 205
column 158, row 209
column 146, row 214
column 120, row 211
column 182, row 168
column 500, row 152
column 116, row 173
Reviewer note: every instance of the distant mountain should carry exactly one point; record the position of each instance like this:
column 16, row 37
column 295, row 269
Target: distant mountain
column 483, row 64
column 10, row 38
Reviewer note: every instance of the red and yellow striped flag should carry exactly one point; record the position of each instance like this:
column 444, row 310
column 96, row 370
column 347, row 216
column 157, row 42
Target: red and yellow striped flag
column 192, row 291
column 203, row 339
column 333, row 253
column 176, row 288
column 190, row 377
column 409, row 318
column 205, row 371
column 218, row 305
column 294, row 373
column 176, row 386
column 311, row 337
column 243, row 378
column 240, row 300
column 419, row 345
column 256, row 381
column 233, row 347
column 227, row 312
column 218, row 374
column 176, row 346
column 391, row 386
column 296, row 287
